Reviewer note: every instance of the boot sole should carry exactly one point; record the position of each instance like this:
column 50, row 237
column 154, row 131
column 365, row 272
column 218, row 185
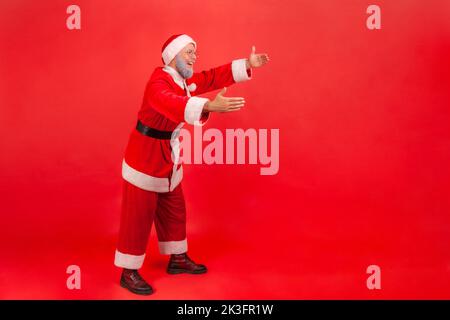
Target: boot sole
column 142, row 293
column 178, row 271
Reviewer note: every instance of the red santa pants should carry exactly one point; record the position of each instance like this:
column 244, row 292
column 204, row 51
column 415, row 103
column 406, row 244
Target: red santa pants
column 139, row 209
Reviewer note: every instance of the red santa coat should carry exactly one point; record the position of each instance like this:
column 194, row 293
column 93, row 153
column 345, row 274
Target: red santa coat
column 169, row 101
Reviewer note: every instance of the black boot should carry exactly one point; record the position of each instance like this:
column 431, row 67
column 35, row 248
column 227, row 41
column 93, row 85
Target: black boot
column 181, row 263
column 133, row 281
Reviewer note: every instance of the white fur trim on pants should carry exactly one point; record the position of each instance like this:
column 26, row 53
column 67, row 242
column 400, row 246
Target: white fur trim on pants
column 239, row 70
column 173, row 247
column 128, row 261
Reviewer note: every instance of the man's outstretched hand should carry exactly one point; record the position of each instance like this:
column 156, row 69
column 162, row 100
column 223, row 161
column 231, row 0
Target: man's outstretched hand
column 256, row 60
column 224, row 104
column 230, row 104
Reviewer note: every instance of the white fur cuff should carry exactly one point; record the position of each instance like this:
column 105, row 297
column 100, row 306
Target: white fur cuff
column 239, row 70
column 194, row 109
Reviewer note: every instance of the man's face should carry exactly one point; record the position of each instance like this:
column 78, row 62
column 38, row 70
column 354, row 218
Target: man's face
column 184, row 61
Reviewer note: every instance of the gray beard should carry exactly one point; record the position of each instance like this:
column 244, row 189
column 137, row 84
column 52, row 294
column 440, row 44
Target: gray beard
column 182, row 67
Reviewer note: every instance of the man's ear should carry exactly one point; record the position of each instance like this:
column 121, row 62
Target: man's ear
column 173, row 63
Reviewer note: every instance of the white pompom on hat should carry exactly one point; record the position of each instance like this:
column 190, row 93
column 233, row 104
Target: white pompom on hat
column 173, row 45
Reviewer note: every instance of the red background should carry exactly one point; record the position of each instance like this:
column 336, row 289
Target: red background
column 364, row 148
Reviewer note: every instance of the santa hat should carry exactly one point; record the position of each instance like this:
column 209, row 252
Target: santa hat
column 173, row 45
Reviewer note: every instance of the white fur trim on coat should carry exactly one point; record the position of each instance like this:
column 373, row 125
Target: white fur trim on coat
column 194, row 109
column 239, row 70
column 148, row 182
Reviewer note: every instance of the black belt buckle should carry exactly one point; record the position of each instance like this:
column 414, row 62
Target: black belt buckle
column 154, row 133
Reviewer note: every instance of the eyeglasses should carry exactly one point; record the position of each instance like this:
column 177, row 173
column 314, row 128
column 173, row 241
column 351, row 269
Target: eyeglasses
column 192, row 53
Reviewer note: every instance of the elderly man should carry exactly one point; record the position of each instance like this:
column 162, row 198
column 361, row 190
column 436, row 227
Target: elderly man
column 150, row 169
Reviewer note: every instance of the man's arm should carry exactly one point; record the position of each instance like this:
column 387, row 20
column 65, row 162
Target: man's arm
column 177, row 108
column 219, row 77
column 237, row 71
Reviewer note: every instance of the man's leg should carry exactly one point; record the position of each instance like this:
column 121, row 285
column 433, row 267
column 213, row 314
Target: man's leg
column 170, row 223
column 138, row 208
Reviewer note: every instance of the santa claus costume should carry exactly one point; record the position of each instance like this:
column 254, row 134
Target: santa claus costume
column 151, row 173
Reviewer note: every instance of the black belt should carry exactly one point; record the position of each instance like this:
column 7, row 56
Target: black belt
column 154, row 133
